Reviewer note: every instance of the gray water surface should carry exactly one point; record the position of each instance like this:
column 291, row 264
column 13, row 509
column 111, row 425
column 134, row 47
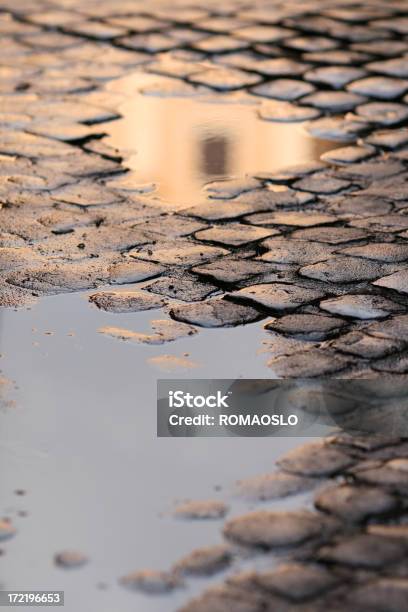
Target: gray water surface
column 81, row 440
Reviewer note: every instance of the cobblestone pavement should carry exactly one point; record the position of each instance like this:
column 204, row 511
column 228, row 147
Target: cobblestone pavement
column 320, row 250
column 347, row 551
column 321, row 247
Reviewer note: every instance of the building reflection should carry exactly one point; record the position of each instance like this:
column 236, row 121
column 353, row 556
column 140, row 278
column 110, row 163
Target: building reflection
column 182, row 143
column 215, row 156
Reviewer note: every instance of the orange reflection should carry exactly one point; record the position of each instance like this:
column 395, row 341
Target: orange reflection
column 182, row 143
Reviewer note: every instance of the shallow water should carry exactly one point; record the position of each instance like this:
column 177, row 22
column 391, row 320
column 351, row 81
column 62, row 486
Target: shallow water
column 81, row 441
column 179, row 144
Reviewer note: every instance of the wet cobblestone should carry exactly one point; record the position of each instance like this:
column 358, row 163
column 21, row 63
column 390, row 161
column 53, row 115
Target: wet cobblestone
column 321, row 248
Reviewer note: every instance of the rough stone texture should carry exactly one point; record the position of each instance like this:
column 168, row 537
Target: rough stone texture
column 285, row 112
column 178, row 253
column 204, row 561
column 295, row 218
column 276, row 485
column 185, row 287
column 125, row 301
column 322, row 183
column 397, row 281
column 384, row 88
column 70, row 559
column 232, row 188
column 232, row 270
column 347, row 155
column 224, row 79
column 334, row 101
column 360, row 306
column 386, row 113
column 277, row 296
column 267, row 529
column 331, row 235
column 130, row 271
column 335, row 76
column 344, row 270
column 315, row 459
column 234, row 235
column 150, row 581
column 215, row 313
column 73, row 219
column 295, row 251
column 355, row 504
column 310, row 326
column 389, row 594
column 395, row 328
column 311, row 363
column 365, row 551
column 210, row 509
column 163, row 331
column 283, row 89
column 297, row 582
column 337, row 128
column 387, row 252
column 55, row 279
column 366, row 346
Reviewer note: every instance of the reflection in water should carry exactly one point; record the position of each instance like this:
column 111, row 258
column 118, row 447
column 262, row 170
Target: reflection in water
column 182, row 143
column 215, row 156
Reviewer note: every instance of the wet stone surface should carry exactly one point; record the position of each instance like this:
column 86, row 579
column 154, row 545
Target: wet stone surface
column 268, row 529
column 208, row 509
column 355, row 504
column 296, row 581
column 215, row 313
column 126, row 301
column 313, row 327
column 163, row 331
column 70, row 559
column 321, row 247
column 205, row 561
column 150, row 581
column 308, row 460
column 275, row 485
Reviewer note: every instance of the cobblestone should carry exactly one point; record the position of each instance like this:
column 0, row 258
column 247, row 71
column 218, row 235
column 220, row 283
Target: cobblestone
column 360, row 306
column 297, row 582
column 267, row 529
column 366, row 551
column 277, row 296
column 318, row 459
column 310, row 326
column 150, row 581
column 215, row 313
column 204, row 561
column 321, row 246
column 276, row 485
column 355, row 504
column 125, row 301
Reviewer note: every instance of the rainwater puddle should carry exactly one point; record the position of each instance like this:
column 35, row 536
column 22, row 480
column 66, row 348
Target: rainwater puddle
column 81, row 441
column 180, row 143
column 81, row 438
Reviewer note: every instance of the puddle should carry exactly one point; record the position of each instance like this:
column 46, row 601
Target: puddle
column 81, row 440
column 182, row 143
column 81, row 437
